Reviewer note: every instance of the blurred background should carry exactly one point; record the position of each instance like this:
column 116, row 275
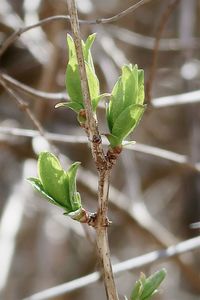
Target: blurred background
column 155, row 195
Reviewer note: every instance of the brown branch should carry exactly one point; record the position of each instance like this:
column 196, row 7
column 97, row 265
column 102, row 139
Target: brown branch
column 16, row 34
column 124, row 266
column 33, row 92
column 23, row 106
column 141, row 148
column 161, row 26
column 165, row 101
column 102, row 165
column 91, row 122
column 122, row 14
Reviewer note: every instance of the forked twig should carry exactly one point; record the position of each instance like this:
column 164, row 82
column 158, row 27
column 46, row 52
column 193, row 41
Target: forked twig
column 16, row 34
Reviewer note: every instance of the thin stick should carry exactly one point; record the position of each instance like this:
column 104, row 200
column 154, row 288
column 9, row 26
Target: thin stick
column 102, row 164
column 16, row 34
column 130, row 264
column 122, row 14
column 23, row 106
column 34, row 92
column 166, row 101
column 92, row 126
column 161, row 26
column 141, row 148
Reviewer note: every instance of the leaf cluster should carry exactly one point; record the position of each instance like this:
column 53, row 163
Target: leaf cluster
column 57, row 185
column 125, row 107
column 146, row 288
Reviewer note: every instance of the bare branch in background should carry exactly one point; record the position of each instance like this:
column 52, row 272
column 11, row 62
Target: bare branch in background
column 141, row 148
column 34, row 92
column 23, row 106
column 130, row 264
column 11, row 39
column 122, row 14
column 172, row 100
column 147, row 42
column 179, row 99
column 161, row 26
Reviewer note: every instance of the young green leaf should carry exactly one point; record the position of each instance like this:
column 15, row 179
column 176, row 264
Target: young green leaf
column 116, row 103
column 36, row 183
column 137, row 291
column 152, row 283
column 87, row 52
column 126, row 104
column 53, row 178
column 146, row 288
column 74, row 197
column 73, row 83
column 75, row 106
column 58, row 186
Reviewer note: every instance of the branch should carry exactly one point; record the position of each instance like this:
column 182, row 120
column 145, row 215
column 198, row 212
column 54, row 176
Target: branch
column 122, row 14
column 130, row 264
column 147, row 42
column 33, row 92
column 179, row 99
column 161, row 26
column 92, row 125
column 172, row 100
column 23, row 106
column 141, row 148
column 103, row 166
column 11, row 39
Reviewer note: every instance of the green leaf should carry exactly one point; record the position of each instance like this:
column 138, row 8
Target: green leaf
column 152, row 283
column 116, row 103
column 74, row 197
column 36, row 183
column 113, row 140
column 127, row 121
column 137, row 291
column 140, row 87
column 73, row 83
column 130, row 83
column 58, row 186
column 53, row 178
column 126, row 107
column 87, row 53
column 95, row 101
column 75, row 106
column 71, row 46
column 93, row 82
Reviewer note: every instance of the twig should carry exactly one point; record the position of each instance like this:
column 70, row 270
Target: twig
column 122, row 14
column 10, row 225
column 179, row 99
column 11, row 39
column 172, row 100
column 34, row 92
column 23, row 106
column 141, row 148
column 130, row 264
column 91, row 126
column 161, row 26
column 147, row 42
column 102, row 164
